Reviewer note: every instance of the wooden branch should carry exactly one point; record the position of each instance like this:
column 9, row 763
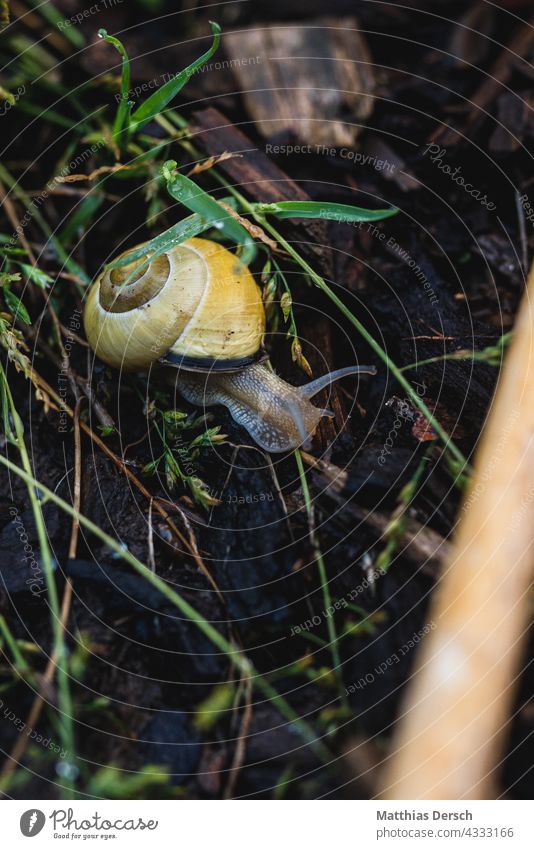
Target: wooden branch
column 260, row 178
column 450, row 734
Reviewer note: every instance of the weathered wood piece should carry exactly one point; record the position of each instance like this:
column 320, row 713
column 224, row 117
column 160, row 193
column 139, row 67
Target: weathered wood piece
column 315, row 79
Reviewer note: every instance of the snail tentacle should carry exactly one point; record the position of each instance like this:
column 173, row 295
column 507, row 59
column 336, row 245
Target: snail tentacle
column 314, row 386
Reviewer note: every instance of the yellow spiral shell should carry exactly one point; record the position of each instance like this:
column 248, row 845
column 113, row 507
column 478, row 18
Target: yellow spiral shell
column 197, row 300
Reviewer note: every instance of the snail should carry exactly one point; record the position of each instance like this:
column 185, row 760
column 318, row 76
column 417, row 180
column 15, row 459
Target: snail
column 198, row 309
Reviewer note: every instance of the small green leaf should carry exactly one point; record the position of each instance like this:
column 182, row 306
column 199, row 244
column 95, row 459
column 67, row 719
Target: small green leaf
column 11, row 251
column 188, row 228
column 286, row 304
column 106, row 430
column 174, row 416
column 299, row 358
column 341, row 212
column 172, row 470
column 271, row 288
column 270, row 292
column 168, row 169
column 200, row 491
column 208, row 438
column 266, row 271
column 16, row 306
column 151, row 467
column 6, row 278
column 41, row 278
column 215, row 705
column 6, row 95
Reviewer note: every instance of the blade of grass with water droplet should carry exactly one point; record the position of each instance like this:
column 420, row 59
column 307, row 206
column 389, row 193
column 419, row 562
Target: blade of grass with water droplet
column 120, row 122
column 182, row 189
column 342, row 212
column 188, row 228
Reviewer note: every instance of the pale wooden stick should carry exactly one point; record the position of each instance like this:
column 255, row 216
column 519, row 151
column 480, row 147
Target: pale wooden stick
column 450, row 735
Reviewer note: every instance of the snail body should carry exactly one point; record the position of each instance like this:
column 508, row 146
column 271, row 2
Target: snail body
column 197, row 308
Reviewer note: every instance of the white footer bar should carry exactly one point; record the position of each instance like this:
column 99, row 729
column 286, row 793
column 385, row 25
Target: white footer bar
column 268, row 824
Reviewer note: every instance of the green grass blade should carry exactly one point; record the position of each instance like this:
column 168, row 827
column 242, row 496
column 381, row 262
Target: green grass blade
column 188, row 228
column 157, row 101
column 57, row 19
column 342, row 212
column 80, row 218
column 333, row 644
column 47, row 115
column 64, row 705
column 184, row 190
column 119, row 124
column 20, row 663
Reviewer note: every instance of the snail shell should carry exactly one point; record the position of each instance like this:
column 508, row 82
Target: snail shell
column 197, row 301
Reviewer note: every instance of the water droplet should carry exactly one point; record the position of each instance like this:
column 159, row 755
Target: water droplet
column 67, row 770
column 115, row 554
